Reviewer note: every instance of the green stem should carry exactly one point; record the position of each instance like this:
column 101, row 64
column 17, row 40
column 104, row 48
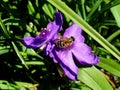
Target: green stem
column 114, row 35
column 5, row 32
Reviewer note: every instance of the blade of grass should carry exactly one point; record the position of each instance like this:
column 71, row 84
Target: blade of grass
column 18, row 54
column 5, row 33
column 85, row 26
column 96, row 5
column 48, row 9
column 114, row 35
column 83, row 9
column 105, row 8
column 110, row 65
column 34, row 63
column 30, row 8
column 116, row 13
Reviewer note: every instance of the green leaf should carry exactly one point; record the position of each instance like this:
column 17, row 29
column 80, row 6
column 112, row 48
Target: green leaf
column 114, row 35
column 94, row 8
column 24, row 85
column 81, row 88
column 48, row 9
column 19, row 55
column 110, row 65
column 3, row 51
column 116, row 13
column 94, row 79
column 4, row 31
column 30, row 8
column 34, row 63
column 33, row 53
column 85, row 26
column 6, row 87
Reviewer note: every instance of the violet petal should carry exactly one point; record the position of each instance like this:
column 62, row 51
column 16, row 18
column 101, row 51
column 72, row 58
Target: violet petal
column 83, row 54
column 75, row 31
column 65, row 59
column 45, row 35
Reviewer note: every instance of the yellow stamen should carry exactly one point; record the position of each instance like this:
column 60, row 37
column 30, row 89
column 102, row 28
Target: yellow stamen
column 45, row 28
column 38, row 33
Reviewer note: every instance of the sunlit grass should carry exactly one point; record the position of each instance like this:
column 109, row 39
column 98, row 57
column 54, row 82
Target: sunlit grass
column 23, row 68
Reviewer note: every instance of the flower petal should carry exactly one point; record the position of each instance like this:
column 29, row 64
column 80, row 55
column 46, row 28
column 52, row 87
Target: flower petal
column 83, row 54
column 58, row 18
column 70, row 74
column 75, row 31
column 45, row 35
column 48, row 51
column 31, row 42
column 27, row 41
column 65, row 59
column 55, row 26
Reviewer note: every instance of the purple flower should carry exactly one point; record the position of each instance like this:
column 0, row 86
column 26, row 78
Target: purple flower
column 63, row 51
column 46, row 34
column 63, row 48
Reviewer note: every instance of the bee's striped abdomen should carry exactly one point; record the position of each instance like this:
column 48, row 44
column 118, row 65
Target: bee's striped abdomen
column 64, row 42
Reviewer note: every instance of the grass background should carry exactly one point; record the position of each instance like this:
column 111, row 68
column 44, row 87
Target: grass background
column 27, row 69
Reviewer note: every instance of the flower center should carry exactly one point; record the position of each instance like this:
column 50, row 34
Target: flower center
column 64, row 42
column 44, row 32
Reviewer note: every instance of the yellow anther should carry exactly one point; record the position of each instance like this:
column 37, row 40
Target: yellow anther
column 38, row 33
column 45, row 28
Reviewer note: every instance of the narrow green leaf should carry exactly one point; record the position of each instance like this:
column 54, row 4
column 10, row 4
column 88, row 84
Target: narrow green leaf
column 85, row 26
column 9, row 21
column 107, row 1
column 83, row 9
column 48, row 9
column 34, row 63
column 4, row 31
column 114, row 35
column 94, row 79
column 81, row 88
column 110, row 65
column 30, row 8
column 3, row 51
column 29, row 28
column 116, row 13
column 94, row 8
column 33, row 53
column 118, row 88
column 18, row 54
column 29, row 86
column 6, row 87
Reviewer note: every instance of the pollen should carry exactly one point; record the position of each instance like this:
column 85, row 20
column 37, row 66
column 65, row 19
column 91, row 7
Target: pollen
column 43, row 28
column 38, row 33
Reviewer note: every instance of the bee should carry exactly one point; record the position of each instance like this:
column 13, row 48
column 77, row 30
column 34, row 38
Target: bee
column 64, row 42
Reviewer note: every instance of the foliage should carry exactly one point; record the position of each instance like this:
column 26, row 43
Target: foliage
column 27, row 69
